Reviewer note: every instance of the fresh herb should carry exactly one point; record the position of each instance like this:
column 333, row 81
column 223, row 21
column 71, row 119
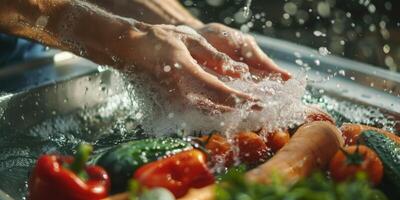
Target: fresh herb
column 316, row 187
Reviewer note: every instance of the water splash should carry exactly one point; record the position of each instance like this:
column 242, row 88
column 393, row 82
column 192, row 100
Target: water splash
column 246, row 8
column 280, row 102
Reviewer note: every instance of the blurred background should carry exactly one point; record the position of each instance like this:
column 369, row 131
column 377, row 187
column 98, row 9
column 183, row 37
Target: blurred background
column 364, row 30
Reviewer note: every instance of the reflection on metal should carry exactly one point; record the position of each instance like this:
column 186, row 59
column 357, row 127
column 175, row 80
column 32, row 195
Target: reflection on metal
column 4, row 196
column 63, row 56
column 359, row 82
column 53, row 66
column 24, row 66
column 41, row 103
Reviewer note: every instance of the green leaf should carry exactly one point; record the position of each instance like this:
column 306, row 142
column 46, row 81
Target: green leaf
column 316, row 187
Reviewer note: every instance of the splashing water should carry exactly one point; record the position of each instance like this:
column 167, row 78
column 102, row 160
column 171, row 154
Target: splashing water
column 280, row 101
column 246, row 9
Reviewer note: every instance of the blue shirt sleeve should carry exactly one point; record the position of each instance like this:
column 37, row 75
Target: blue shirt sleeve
column 14, row 49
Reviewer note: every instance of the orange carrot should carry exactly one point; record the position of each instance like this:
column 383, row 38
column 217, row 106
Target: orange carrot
column 352, row 131
column 310, row 148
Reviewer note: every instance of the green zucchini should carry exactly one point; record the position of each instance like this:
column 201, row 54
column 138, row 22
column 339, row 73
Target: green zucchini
column 122, row 161
column 389, row 153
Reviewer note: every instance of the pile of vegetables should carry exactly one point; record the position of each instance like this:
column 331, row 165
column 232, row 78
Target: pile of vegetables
column 355, row 162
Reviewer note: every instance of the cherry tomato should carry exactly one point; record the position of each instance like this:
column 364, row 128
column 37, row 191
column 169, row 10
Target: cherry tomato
column 320, row 117
column 353, row 159
column 350, row 133
column 277, row 140
column 177, row 173
column 252, row 148
column 219, row 148
column 316, row 114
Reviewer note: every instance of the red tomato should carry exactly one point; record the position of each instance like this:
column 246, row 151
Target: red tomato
column 316, row 114
column 350, row 133
column 177, row 173
column 277, row 140
column 319, row 117
column 219, row 148
column 252, row 148
column 353, row 159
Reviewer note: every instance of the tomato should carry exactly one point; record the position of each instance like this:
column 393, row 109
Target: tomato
column 350, row 133
column 316, row 114
column 320, row 117
column 219, row 148
column 353, row 159
column 252, row 148
column 177, row 173
column 277, row 140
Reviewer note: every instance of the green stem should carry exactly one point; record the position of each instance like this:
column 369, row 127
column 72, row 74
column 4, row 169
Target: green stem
column 134, row 189
column 80, row 159
column 355, row 158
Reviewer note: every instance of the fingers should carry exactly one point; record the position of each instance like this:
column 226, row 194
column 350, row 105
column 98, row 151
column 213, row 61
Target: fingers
column 206, row 104
column 210, row 80
column 242, row 48
column 208, row 56
column 257, row 59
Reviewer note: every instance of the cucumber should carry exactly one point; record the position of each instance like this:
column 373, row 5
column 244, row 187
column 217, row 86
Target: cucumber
column 389, row 153
column 122, row 161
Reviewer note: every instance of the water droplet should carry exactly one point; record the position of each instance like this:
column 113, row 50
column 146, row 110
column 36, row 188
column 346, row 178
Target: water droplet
column 386, row 48
column 177, row 65
column 324, row 51
column 319, row 34
column 167, row 68
column 371, row 8
column 299, row 62
column 246, row 9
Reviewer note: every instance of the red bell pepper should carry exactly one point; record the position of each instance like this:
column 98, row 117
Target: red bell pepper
column 68, row 178
column 177, row 173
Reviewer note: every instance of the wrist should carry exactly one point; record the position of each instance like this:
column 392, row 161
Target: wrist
column 151, row 11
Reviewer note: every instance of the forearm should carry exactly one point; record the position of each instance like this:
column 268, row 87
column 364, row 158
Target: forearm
column 71, row 25
column 151, row 11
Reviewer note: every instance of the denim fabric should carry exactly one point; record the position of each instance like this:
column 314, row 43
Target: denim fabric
column 13, row 49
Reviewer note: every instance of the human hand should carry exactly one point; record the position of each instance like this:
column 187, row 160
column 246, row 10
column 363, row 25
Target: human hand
column 241, row 47
column 185, row 63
